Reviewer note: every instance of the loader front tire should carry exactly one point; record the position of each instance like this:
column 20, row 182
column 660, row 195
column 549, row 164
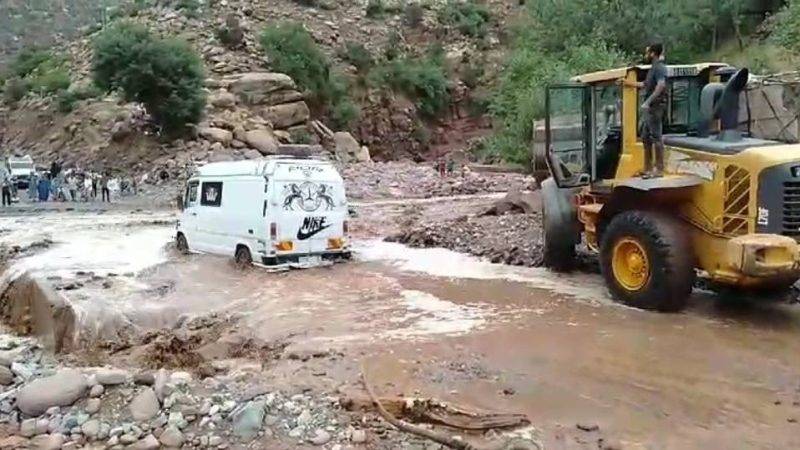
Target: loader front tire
column 647, row 262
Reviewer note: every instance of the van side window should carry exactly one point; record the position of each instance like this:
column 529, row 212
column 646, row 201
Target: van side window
column 211, row 193
column 191, row 193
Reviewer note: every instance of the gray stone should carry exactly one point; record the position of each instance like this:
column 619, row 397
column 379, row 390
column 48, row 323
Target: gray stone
column 214, row 441
column 5, row 361
column 93, row 405
column 171, row 437
column 347, row 147
column 145, row 378
column 160, row 384
column 222, row 99
column 304, row 418
column 287, row 114
column 321, row 437
column 61, row 389
column 212, row 134
column 149, row 442
column 6, row 376
column 48, row 441
column 255, row 87
column 145, row 406
column 27, row 428
column 247, row 420
column 42, row 426
column 127, row 439
column 97, row 390
column 111, row 377
column 358, row 436
column 252, row 154
column 91, row 429
column 262, row 140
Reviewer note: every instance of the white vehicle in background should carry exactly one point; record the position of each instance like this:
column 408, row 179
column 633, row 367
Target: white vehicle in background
column 20, row 168
column 278, row 211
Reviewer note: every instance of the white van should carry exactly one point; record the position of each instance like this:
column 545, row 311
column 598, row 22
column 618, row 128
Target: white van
column 276, row 211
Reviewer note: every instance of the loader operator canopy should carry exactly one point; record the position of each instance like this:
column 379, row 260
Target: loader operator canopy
column 591, row 119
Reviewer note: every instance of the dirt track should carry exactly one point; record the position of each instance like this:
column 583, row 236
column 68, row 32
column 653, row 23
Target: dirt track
column 430, row 322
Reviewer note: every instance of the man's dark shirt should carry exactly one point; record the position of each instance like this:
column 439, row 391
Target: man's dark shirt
column 658, row 72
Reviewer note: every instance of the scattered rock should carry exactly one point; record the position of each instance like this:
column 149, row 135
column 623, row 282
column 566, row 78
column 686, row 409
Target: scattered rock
column 91, row 429
column 145, row 406
column 254, row 88
column 262, row 140
column 212, row 134
column 144, row 378
column 358, row 436
column 27, row 428
column 247, row 421
column 171, row 437
column 321, row 437
column 92, row 405
column 111, row 377
column 61, row 389
column 287, row 114
column 6, row 376
column 47, row 441
column 346, row 146
column 96, row 390
column 149, row 442
column 222, row 99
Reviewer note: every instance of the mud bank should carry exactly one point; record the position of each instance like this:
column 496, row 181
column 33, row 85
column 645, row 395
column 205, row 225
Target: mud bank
column 31, row 307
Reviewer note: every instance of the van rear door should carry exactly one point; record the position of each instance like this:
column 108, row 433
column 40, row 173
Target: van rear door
column 311, row 205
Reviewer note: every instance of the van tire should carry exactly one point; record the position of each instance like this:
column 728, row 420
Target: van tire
column 182, row 244
column 242, row 257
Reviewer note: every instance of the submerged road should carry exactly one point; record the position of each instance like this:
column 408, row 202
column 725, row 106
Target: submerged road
column 433, row 323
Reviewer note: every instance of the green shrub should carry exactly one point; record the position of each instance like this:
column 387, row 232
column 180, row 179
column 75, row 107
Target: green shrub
column 424, row 80
column 67, row 99
column 468, row 17
column 300, row 136
column 292, row 50
column 357, row 55
column 45, row 81
column 786, row 26
column 375, row 9
column 165, row 75
column 190, row 8
column 29, row 59
column 344, row 113
column 14, row 90
column 413, row 14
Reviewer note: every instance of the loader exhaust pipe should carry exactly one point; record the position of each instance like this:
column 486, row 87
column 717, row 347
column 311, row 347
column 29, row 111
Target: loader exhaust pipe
column 721, row 101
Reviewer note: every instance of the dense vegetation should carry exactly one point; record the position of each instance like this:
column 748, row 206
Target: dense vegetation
column 165, row 75
column 549, row 44
column 292, row 50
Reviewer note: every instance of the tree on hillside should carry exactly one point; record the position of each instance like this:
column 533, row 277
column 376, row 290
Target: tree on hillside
column 165, row 75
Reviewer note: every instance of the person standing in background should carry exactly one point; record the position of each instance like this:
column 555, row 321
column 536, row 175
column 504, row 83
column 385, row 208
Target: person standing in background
column 105, row 192
column 33, row 186
column 6, row 186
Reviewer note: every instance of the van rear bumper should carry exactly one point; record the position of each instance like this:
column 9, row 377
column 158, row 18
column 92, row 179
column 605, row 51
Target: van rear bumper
column 295, row 257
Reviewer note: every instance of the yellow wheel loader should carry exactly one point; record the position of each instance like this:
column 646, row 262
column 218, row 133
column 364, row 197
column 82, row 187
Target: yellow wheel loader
column 727, row 209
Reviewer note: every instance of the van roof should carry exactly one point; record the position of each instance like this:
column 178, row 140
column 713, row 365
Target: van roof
column 253, row 166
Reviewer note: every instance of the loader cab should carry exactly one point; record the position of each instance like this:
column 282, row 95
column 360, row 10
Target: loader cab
column 591, row 123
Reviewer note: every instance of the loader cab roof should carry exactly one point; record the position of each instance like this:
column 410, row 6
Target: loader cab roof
column 673, row 70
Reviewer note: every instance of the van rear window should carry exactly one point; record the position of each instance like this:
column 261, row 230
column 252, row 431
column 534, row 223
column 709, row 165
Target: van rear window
column 211, row 193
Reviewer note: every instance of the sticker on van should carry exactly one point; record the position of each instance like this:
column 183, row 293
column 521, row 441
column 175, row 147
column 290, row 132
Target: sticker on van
column 308, row 196
column 312, row 226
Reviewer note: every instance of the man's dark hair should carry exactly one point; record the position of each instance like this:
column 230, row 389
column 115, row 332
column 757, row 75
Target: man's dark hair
column 656, row 48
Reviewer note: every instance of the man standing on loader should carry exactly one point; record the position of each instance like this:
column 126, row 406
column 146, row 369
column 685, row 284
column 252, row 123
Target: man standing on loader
column 655, row 86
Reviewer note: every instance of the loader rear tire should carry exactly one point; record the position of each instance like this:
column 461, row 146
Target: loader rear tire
column 559, row 227
column 647, row 261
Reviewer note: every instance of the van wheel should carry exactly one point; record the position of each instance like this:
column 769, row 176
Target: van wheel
column 243, row 258
column 182, row 244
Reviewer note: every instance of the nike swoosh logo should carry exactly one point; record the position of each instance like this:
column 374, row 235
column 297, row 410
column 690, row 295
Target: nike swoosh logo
column 302, row 235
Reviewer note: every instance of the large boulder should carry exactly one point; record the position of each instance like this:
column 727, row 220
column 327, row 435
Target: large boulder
column 347, row 147
column 212, row 134
column 262, row 140
column 253, row 88
column 61, row 389
column 281, row 97
column 222, row 99
column 145, row 406
column 287, row 115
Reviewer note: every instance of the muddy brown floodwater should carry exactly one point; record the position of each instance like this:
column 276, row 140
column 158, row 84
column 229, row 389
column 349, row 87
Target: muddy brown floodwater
column 433, row 323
